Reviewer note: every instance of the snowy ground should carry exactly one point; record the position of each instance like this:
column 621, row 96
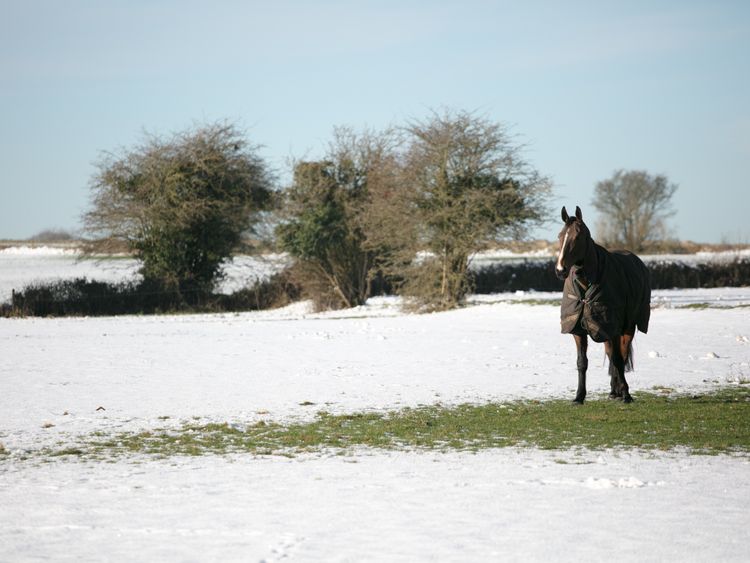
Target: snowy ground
column 20, row 266
column 504, row 505
column 512, row 504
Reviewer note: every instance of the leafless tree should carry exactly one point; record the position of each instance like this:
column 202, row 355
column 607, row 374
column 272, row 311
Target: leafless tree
column 633, row 209
column 462, row 182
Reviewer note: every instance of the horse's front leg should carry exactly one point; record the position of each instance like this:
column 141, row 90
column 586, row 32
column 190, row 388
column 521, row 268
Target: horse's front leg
column 619, row 387
column 582, row 344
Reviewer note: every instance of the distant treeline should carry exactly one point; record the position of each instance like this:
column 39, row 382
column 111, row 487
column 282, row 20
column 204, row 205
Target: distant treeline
column 82, row 297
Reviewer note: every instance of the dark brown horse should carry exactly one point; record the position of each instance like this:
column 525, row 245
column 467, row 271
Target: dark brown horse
column 606, row 296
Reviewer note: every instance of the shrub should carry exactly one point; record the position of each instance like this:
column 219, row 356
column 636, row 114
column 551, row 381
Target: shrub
column 82, row 297
column 323, row 219
column 181, row 204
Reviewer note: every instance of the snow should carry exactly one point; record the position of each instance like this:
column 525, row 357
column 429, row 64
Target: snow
column 20, row 266
column 701, row 257
column 38, row 251
column 517, row 505
column 233, row 366
column 509, row 504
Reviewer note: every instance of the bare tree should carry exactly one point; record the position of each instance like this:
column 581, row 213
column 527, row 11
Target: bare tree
column 634, row 207
column 462, row 182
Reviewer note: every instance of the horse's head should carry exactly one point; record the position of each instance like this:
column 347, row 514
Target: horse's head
column 573, row 242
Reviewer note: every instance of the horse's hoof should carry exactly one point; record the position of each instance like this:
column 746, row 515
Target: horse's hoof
column 627, row 399
column 577, row 402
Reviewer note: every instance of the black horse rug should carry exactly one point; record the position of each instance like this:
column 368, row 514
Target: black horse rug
column 610, row 295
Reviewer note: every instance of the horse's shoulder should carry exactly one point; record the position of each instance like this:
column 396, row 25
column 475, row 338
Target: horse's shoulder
column 625, row 257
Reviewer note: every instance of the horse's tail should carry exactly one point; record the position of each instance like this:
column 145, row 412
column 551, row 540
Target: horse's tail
column 629, row 358
column 628, row 361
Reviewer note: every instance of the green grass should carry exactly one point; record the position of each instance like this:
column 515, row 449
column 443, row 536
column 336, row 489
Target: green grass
column 701, row 306
column 712, row 423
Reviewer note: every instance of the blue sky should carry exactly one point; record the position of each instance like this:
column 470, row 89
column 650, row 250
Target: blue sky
column 590, row 87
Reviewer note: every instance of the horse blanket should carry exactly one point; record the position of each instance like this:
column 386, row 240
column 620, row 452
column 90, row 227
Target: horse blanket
column 605, row 297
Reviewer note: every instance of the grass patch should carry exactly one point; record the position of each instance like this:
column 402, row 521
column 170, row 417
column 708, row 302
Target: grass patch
column 68, row 451
column 715, row 305
column 711, row 423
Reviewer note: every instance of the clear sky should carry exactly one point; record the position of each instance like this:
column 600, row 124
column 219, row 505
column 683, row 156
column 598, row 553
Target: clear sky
column 591, row 87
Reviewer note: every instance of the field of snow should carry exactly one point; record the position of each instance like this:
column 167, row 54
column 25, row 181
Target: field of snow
column 509, row 504
column 20, row 266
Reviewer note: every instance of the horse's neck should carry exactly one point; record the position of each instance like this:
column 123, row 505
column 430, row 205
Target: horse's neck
column 593, row 261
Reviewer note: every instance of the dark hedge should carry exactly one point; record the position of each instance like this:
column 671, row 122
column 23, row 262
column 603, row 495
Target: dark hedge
column 82, row 297
column 539, row 275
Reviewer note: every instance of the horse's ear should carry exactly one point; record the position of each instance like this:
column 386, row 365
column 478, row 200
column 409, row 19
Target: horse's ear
column 579, row 215
column 565, row 215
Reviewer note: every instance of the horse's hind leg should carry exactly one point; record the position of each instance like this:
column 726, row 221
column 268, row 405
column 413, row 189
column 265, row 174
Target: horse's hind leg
column 582, row 363
column 619, row 387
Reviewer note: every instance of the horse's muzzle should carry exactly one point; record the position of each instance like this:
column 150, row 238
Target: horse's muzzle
column 561, row 274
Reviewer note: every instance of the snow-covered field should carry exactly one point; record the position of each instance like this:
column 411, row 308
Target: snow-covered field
column 511, row 504
column 20, row 266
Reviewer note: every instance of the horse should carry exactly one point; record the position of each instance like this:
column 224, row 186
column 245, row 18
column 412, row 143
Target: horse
column 606, row 295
